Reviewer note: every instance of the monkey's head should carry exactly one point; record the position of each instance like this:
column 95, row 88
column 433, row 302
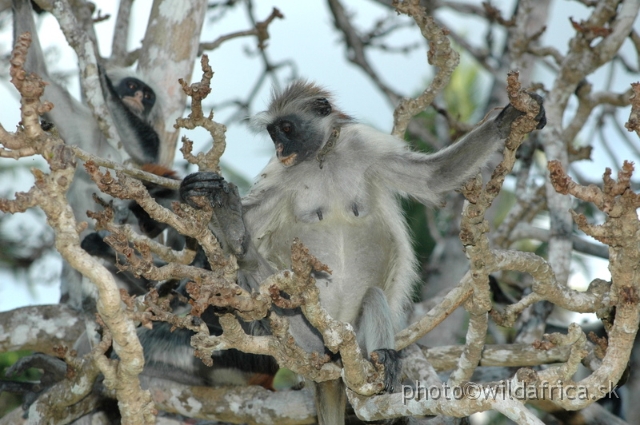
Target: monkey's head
column 137, row 95
column 300, row 120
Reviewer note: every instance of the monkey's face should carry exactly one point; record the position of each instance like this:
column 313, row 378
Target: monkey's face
column 296, row 138
column 138, row 96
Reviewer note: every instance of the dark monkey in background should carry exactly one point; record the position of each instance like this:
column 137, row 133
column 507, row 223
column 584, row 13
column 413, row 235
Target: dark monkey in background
column 135, row 109
column 334, row 184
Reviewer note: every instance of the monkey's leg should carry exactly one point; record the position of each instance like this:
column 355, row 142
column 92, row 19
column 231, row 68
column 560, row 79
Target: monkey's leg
column 331, row 402
column 376, row 335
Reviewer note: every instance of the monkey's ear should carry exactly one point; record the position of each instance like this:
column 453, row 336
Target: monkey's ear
column 322, row 107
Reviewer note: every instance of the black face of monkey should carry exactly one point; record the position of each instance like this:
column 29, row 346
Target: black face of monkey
column 296, row 139
column 138, row 96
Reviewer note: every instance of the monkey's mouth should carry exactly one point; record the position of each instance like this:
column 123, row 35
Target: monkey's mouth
column 288, row 160
column 134, row 103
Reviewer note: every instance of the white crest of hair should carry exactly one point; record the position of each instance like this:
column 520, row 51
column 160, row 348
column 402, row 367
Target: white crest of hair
column 296, row 98
column 259, row 122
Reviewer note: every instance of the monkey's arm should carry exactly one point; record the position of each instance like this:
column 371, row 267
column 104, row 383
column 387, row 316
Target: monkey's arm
column 65, row 106
column 228, row 225
column 375, row 334
column 227, row 208
column 428, row 177
column 168, row 353
column 148, row 225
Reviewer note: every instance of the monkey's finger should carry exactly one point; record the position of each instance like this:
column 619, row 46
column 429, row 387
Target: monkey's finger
column 209, row 185
column 188, row 194
column 218, row 199
column 205, row 182
column 196, row 199
column 202, row 177
column 203, row 186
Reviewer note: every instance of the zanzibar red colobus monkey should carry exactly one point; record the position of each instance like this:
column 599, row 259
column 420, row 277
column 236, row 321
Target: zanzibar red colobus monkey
column 334, row 184
column 135, row 109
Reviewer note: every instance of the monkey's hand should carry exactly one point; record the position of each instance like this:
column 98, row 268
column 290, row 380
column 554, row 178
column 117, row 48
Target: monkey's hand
column 211, row 186
column 510, row 113
column 391, row 360
column 226, row 203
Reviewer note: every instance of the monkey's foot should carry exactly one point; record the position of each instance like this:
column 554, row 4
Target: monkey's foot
column 510, row 113
column 541, row 117
column 391, row 360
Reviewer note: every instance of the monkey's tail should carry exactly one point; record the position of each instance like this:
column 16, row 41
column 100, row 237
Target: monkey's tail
column 331, row 402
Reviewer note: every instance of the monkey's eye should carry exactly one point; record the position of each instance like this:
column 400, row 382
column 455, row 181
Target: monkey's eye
column 286, row 127
column 132, row 86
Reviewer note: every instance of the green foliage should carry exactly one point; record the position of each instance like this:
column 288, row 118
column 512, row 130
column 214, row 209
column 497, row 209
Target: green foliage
column 285, row 379
column 461, row 102
column 8, row 401
column 416, row 215
column 461, row 95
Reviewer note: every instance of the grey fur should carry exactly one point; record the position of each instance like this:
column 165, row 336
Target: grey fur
column 361, row 233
